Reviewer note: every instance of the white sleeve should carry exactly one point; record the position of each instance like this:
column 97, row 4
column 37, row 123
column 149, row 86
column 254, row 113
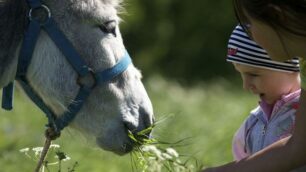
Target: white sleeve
column 238, row 145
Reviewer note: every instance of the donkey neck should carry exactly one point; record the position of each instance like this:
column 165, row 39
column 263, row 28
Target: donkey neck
column 12, row 24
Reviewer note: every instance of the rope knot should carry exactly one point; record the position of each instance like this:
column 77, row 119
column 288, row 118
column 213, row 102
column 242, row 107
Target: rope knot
column 51, row 134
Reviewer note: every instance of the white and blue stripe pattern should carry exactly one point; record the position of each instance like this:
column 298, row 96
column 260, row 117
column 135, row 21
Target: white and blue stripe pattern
column 243, row 50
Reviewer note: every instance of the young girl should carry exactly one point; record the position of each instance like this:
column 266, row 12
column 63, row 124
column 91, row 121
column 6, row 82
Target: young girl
column 280, row 28
column 278, row 86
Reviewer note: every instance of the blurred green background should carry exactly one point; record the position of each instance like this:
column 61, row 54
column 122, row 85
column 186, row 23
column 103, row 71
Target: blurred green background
column 180, row 47
column 181, row 40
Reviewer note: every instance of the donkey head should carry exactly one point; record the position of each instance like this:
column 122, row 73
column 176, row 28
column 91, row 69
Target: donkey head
column 92, row 28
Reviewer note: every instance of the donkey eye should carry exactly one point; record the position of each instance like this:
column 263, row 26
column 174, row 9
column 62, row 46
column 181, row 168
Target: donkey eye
column 109, row 27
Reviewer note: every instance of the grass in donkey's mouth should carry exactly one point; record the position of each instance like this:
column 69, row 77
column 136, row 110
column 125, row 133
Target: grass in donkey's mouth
column 151, row 155
column 142, row 137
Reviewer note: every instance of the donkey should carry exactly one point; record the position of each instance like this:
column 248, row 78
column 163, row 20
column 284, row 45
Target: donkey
column 111, row 108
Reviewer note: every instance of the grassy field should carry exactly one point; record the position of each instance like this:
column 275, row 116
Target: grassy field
column 208, row 114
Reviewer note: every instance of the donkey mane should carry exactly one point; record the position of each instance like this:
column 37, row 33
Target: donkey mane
column 12, row 24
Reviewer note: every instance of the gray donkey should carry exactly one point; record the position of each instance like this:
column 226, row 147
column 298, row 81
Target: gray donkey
column 91, row 26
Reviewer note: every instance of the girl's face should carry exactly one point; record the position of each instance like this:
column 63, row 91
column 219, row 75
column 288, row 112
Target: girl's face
column 269, row 85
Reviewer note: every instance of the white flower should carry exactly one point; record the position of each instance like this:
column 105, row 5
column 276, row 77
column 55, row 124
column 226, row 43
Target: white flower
column 148, row 148
column 172, row 152
column 54, row 146
column 167, row 156
column 152, row 149
column 24, row 150
column 67, row 158
column 37, row 150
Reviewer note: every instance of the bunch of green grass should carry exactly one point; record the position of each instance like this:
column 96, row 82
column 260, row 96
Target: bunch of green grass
column 151, row 155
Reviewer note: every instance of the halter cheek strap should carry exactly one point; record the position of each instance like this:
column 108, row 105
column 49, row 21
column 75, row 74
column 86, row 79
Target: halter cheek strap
column 72, row 56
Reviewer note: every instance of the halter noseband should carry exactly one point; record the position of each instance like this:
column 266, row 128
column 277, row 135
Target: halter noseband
column 72, row 56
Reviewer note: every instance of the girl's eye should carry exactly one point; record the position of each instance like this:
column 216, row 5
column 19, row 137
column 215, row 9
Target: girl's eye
column 109, row 27
column 249, row 75
column 253, row 75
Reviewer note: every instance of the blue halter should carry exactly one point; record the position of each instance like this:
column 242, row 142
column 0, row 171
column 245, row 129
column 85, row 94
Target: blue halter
column 78, row 64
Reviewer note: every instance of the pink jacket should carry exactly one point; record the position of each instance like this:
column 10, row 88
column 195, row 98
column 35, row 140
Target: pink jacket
column 258, row 131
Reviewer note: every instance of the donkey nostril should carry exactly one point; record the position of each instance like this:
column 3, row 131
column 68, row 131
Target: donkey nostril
column 127, row 147
column 146, row 117
column 130, row 126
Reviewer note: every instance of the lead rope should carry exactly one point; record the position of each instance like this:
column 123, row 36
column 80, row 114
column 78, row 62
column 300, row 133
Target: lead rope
column 50, row 135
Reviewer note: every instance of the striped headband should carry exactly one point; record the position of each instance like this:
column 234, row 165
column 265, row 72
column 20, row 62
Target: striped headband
column 243, row 50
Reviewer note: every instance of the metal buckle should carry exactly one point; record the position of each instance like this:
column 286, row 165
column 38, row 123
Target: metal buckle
column 89, row 80
column 41, row 19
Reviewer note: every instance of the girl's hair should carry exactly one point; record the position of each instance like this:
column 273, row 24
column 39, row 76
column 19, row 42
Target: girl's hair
column 281, row 15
